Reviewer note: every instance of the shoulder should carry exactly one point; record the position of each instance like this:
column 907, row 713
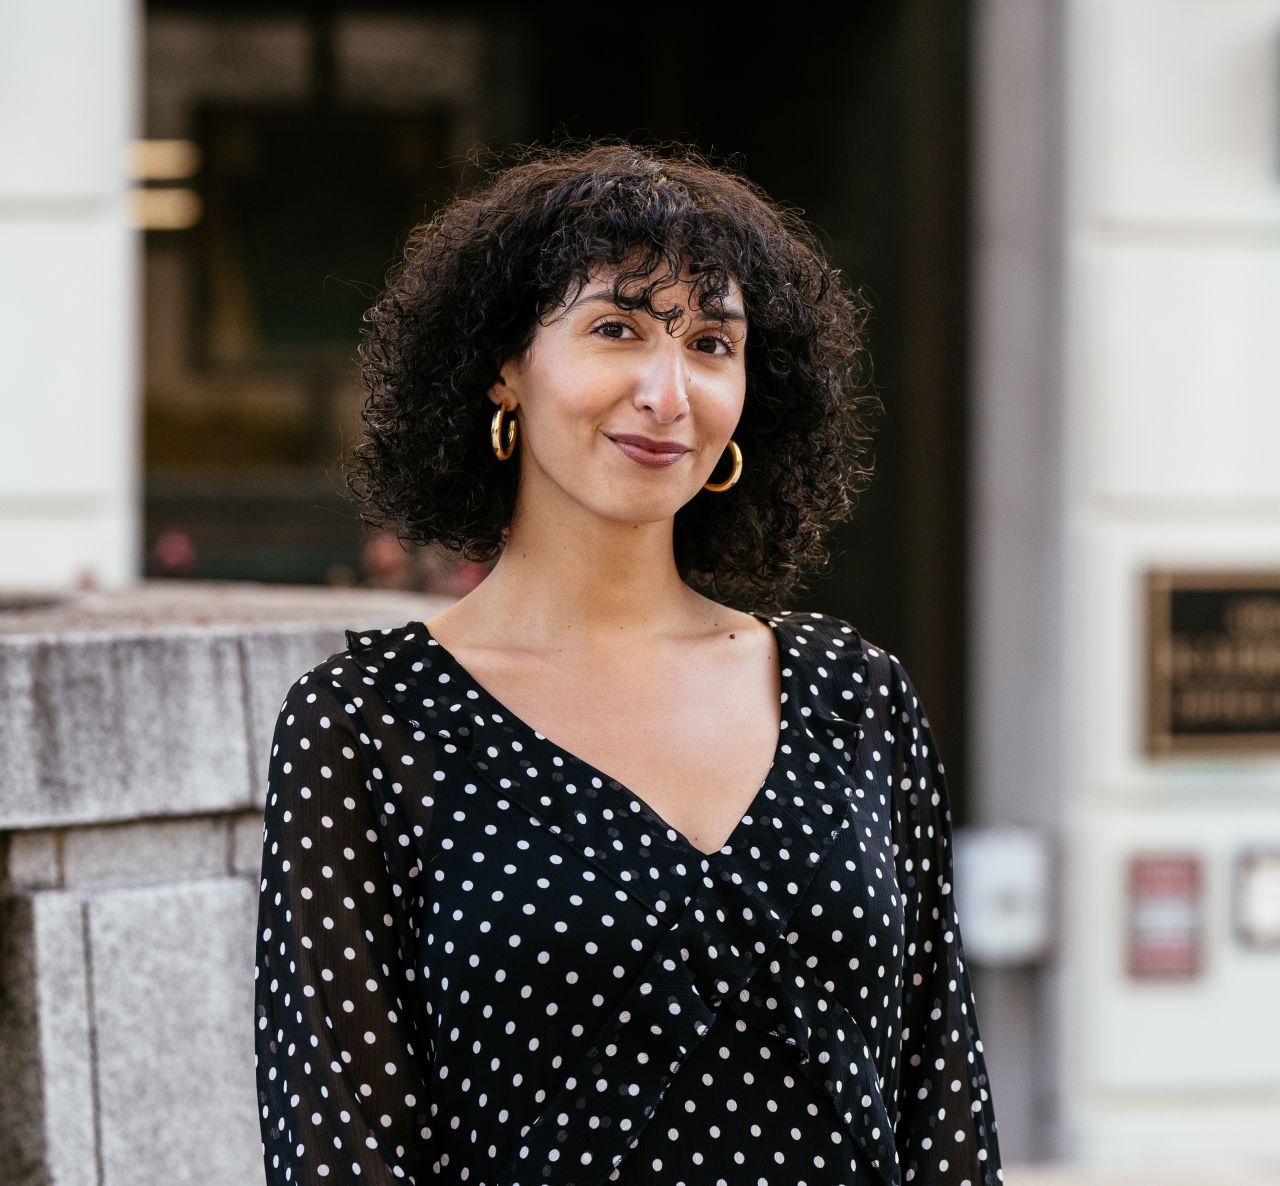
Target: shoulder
column 363, row 697
column 351, row 676
column 829, row 661
column 331, row 679
column 825, row 640
column 832, row 653
column 387, row 678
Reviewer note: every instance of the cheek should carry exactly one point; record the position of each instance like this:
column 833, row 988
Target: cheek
column 582, row 391
column 731, row 404
column 564, row 405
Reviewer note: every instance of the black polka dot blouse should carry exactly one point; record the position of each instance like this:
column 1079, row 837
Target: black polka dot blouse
column 481, row 960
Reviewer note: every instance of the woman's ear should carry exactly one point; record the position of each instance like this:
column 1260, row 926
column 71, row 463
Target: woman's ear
column 507, row 385
column 500, row 391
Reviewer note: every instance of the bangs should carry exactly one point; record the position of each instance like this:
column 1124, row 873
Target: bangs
column 649, row 233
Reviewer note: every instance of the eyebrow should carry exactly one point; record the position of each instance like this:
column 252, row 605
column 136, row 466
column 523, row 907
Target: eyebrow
column 604, row 296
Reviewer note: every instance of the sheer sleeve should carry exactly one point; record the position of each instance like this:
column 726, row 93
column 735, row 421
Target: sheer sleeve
column 339, row 1067
column 945, row 1128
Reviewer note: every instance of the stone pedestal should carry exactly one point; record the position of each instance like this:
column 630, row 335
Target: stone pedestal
column 134, row 740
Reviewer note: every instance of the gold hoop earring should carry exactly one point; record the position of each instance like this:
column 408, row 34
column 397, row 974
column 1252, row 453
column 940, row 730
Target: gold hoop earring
column 495, row 431
column 717, row 487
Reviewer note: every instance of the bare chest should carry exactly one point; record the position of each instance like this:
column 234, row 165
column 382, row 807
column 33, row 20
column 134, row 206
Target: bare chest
column 694, row 740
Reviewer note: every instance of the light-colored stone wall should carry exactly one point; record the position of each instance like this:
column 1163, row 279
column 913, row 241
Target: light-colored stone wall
column 1126, row 288
column 1171, row 209
column 69, row 501
column 134, row 743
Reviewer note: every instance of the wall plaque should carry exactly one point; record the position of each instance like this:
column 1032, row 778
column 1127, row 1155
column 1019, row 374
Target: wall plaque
column 1213, row 661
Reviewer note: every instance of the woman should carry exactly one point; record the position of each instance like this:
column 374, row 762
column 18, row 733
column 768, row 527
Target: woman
column 593, row 877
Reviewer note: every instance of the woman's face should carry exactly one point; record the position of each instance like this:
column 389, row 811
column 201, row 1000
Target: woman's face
column 596, row 373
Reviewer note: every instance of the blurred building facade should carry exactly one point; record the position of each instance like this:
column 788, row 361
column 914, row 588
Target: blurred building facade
column 1126, row 283
column 1119, row 416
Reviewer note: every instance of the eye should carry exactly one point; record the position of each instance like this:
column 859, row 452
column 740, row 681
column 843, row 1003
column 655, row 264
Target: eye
column 612, row 329
column 716, row 342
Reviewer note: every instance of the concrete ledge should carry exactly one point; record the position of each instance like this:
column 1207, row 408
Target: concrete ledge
column 152, row 609
column 159, row 700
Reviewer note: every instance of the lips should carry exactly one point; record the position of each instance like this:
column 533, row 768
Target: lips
column 667, row 453
column 650, row 445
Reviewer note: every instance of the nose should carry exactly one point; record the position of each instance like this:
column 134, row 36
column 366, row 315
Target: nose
column 664, row 385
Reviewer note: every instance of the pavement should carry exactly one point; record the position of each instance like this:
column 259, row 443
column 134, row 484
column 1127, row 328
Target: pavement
column 1202, row 1174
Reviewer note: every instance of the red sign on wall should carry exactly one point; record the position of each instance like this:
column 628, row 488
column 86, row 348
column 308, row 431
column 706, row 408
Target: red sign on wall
column 1165, row 916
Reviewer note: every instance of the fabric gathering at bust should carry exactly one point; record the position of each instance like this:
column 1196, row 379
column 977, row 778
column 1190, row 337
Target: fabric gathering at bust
column 481, row 960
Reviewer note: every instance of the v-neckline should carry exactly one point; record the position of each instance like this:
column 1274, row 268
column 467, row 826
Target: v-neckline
column 785, row 676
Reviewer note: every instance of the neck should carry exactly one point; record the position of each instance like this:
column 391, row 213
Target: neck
column 624, row 585
column 567, row 575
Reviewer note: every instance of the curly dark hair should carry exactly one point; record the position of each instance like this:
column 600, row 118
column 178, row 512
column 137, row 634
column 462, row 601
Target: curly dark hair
column 476, row 279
